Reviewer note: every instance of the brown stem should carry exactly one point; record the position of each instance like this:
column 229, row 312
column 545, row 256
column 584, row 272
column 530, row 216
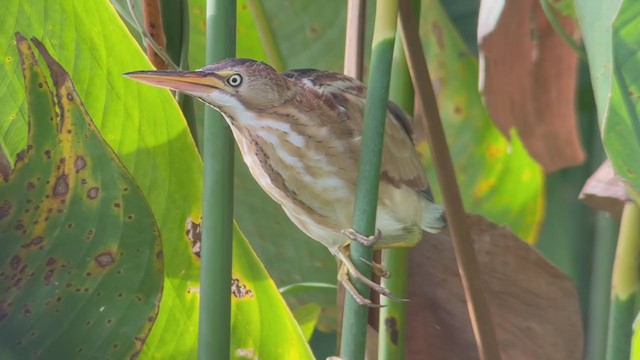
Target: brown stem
column 479, row 311
column 153, row 24
column 354, row 40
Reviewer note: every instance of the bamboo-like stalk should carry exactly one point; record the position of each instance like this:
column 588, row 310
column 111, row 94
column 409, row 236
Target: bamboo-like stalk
column 604, row 247
column 217, row 223
column 625, row 284
column 354, row 40
column 392, row 324
column 354, row 325
column 479, row 312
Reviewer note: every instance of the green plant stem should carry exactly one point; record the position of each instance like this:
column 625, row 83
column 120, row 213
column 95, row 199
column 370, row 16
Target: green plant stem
column 354, row 325
column 217, row 223
column 624, row 284
column 600, row 293
column 392, row 326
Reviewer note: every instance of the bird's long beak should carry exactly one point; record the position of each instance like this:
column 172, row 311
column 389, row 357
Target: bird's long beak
column 194, row 82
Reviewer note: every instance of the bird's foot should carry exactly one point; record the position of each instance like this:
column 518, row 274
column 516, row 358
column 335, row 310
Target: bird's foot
column 364, row 240
column 377, row 269
column 348, row 271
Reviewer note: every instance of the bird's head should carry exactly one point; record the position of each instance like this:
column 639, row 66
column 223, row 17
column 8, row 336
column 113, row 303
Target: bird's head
column 232, row 86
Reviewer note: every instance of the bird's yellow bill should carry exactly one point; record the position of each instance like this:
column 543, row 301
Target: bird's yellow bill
column 185, row 81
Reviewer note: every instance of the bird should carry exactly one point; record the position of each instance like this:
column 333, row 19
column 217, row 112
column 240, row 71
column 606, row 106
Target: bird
column 299, row 133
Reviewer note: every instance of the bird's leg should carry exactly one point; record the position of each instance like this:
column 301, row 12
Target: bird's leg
column 343, row 277
column 347, row 268
column 364, row 240
column 378, row 269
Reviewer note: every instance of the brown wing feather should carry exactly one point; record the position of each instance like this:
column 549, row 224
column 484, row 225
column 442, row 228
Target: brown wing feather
column 400, row 162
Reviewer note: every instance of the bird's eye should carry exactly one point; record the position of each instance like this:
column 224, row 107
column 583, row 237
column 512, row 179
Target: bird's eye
column 234, row 80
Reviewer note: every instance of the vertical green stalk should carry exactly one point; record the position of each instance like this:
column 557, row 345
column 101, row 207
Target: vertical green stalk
column 392, row 326
column 355, row 316
column 217, row 222
column 600, row 294
column 624, row 284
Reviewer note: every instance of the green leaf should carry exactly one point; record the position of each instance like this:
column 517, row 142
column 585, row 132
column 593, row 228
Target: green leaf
column 262, row 326
column 146, row 129
column 143, row 125
column 307, row 316
column 81, row 260
column 611, row 38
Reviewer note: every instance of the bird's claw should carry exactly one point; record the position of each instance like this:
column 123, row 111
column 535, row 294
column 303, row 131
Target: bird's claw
column 377, row 269
column 364, row 240
column 348, row 269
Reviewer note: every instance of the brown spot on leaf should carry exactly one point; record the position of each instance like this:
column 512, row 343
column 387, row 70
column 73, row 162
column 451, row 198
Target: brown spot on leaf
column 93, row 192
column 105, row 259
column 117, row 205
column 5, row 209
column 61, row 186
column 48, row 275
column 47, row 154
column 80, row 163
column 51, row 261
column 90, row 234
column 391, row 325
column 194, row 233
column 26, row 310
column 36, row 241
column 21, row 155
column 69, row 97
column 15, row 261
column 159, row 255
column 30, row 186
column 240, row 290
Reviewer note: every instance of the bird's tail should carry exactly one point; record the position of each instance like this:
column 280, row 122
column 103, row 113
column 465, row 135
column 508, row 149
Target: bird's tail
column 433, row 219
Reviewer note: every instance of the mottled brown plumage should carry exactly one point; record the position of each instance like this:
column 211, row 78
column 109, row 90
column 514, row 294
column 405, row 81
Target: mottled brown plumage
column 299, row 133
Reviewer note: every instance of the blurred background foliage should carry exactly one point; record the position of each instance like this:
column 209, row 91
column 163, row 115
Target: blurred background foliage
column 499, row 180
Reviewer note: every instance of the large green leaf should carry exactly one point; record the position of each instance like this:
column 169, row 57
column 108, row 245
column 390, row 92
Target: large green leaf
column 143, row 125
column 145, row 128
column 610, row 32
column 81, row 261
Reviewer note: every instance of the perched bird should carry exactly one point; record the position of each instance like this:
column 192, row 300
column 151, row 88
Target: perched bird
column 299, row 133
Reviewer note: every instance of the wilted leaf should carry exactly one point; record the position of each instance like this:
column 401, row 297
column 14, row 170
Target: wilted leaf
column 534, row 306
column 81, row 260
column 605, row 191
column 528, row 79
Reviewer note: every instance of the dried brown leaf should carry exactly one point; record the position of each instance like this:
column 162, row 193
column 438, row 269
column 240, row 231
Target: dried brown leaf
column 604, row 190
column 528, row 79
column 534, row 305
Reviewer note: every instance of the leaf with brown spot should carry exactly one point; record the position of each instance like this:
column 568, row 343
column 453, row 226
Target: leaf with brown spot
column 57, row 256
column 528, row 79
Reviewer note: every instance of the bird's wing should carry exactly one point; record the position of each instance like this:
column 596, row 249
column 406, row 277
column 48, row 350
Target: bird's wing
column 400, row 162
